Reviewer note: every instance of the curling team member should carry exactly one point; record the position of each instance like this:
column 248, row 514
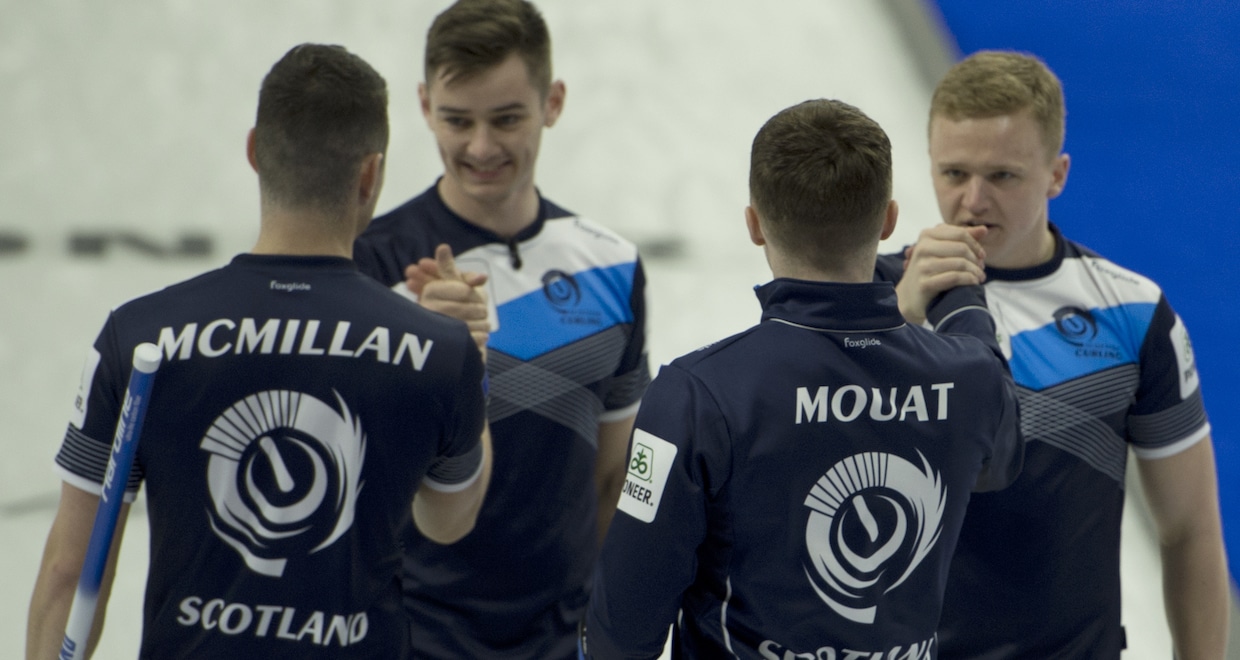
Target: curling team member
column 303, row 413
column 563, row 330
column 1103, row 365
column 796, row 490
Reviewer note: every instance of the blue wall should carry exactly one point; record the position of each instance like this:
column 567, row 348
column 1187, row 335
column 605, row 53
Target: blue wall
column 1152, row 93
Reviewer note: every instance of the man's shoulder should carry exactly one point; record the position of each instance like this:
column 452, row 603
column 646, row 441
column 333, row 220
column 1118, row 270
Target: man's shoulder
column 551, row 210
column 582, row 235
column 889, row 267
column 1079, row 276
column 420, row 207
column 189, row 290
column 962, row 351
column 712, row 369
column 406, row 234
column 1107, row 268
column 726, row 354
column 367, row 299
column 219, row 289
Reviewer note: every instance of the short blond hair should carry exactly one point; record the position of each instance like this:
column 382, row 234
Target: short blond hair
column 991, row 83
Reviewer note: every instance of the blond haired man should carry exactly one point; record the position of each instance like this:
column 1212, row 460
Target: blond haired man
column 1104, row 365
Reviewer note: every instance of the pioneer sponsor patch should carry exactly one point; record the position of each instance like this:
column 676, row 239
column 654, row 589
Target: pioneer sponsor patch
column 650, row 462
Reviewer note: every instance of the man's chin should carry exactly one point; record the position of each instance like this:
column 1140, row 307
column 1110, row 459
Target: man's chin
column 481, row 190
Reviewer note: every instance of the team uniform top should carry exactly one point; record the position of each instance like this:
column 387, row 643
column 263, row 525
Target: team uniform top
column 796, row 490
column 299, row 406
column 568, row 353
column 1102, row 363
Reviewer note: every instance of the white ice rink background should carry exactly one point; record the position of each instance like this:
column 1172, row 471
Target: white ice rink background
column 128, row 119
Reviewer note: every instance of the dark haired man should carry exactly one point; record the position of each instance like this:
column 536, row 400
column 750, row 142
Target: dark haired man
column 795, row 491
column 557, row 300
column 302, row 414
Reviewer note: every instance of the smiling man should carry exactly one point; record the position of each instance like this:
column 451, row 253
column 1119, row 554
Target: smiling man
column 1103, row 364
column 558, row 304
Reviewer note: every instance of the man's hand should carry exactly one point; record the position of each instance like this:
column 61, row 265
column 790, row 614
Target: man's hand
column 944, row 257
column 441, row 288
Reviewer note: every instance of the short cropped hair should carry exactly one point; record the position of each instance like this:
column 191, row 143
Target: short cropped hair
column 820, row 177
column 321, row 111
column 993, row 83
column 472, row 36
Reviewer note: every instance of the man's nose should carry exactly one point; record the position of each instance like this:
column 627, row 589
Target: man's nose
column 481, row 142
column 974, row 198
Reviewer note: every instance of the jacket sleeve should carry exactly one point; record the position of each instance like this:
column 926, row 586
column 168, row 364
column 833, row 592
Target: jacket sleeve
column 678, row 456
column 963, row 311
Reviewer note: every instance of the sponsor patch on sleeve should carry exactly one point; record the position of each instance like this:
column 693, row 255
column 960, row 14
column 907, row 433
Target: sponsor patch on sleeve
column 650, row 461
column 78, row 417
column 1183, row 347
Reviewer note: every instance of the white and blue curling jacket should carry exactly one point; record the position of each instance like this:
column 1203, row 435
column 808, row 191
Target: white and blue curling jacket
column 567, row 352
column 1102, row 364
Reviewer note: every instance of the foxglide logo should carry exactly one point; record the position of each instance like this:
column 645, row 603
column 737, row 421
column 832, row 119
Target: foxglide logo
column 874, row 517
column 284, row 476
column 289, row 286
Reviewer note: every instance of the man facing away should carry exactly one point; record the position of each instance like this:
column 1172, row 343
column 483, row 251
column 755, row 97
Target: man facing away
column 796, row 490
column 1102, row 363
column 302, row 414
column 557, row 301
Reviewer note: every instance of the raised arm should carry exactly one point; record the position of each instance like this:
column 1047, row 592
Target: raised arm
column 944, row 257
column 58, row 575
column 963, row 310
column 1182, row 493
column 446, row 516
column 440, row 287
column 447, row 503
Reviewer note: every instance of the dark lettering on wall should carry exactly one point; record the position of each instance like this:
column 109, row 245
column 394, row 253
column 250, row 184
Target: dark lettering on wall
column 12, row 243
column 100, row 243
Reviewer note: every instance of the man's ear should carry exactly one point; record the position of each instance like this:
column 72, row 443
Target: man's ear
column 555, row 102
column 1059, row 175
column 424, row 100
column 889, row 222
column 249, row 150
column 371, row 180
column 754, row 225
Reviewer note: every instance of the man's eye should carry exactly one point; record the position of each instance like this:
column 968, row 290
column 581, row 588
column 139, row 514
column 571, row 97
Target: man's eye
column 507, row 120
column 456, row 122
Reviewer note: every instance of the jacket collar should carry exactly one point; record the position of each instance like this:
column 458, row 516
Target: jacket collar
column 852, row 307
